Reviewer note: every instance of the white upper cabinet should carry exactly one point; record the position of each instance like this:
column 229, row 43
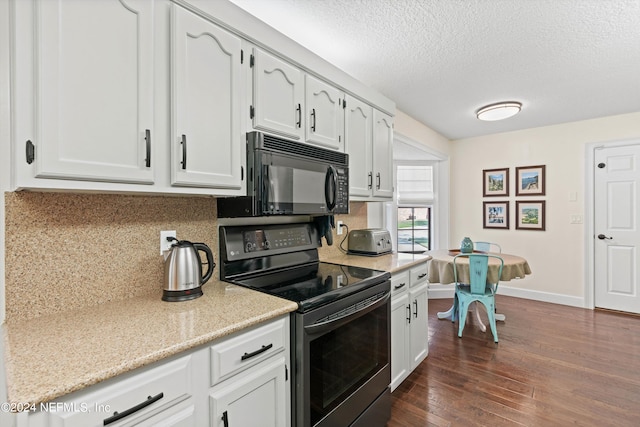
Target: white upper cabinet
column 278, row 96
column 206, row 145
column 83, row 90
column 325, row 114
column 358, row 131
column 382, row 155
column 156, row 96
column 368, row 141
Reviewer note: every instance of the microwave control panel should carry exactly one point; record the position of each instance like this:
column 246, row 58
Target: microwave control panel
column 342, row 196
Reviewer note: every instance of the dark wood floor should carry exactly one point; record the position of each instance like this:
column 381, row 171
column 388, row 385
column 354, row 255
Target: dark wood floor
column 554, row 366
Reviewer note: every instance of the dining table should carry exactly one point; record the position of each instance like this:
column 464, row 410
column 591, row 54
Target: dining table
column 441, row 271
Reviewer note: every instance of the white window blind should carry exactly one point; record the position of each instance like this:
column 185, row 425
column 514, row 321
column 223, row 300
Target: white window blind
column 415, row 183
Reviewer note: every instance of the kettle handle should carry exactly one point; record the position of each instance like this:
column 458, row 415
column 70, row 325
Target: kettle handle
column 210, row 263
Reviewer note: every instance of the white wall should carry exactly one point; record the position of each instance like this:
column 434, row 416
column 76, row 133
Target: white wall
column 557, row 255
column 5, row 151
column 416, row 131
column 433, row 142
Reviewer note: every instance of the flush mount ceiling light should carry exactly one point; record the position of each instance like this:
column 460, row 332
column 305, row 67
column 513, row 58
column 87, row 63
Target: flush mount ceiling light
column 499, row 111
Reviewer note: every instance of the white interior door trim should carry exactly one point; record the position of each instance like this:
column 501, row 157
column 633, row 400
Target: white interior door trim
column 589, row 218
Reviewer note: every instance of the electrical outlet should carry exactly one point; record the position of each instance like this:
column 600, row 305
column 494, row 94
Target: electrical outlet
column 165, row 244
column 339, row 228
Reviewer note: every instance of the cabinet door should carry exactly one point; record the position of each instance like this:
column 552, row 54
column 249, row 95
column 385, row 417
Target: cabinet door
column 358, row 144
column 84, row 78
column 278, row 95
column 400, row 317
column 382, row 154
column 255, row 399
column 325, row 114
column 206, row 146
column 419, row 325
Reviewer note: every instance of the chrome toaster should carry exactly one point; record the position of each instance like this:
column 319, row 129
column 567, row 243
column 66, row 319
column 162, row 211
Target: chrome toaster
column 370, row 241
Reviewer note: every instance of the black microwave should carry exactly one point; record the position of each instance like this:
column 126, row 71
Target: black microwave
column 287, row 177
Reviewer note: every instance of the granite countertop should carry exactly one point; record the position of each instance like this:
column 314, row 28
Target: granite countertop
column 54, row 355
column 392, row 263
column 51, row 356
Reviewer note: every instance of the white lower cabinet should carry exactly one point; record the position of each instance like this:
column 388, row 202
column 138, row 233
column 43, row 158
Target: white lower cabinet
column 409, row 322
column 186, row 391
column 255, row 398
column 160, row 395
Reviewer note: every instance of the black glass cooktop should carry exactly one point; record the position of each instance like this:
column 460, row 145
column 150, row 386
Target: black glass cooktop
column 316, row 284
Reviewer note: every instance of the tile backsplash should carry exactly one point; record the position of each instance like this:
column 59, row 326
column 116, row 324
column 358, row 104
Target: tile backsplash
column 65, row 251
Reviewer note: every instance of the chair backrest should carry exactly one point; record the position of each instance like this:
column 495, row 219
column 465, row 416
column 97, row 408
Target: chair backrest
column 487, row 247
column 478, row 268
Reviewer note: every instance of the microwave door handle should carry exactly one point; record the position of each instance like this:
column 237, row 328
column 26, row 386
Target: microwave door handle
column 266, row 185
column 331, row 186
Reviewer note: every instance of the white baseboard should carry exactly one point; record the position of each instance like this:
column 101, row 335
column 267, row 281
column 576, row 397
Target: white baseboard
column 437, row 291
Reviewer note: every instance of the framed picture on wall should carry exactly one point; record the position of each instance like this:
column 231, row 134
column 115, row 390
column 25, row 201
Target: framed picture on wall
column 495, row 182
column 495, row 215
column 530, row 180
column 530, row 215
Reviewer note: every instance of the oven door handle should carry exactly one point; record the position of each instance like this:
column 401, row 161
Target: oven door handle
column 328, row 325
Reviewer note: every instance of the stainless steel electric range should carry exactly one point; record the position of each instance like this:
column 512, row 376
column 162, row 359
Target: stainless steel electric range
column 340, row 332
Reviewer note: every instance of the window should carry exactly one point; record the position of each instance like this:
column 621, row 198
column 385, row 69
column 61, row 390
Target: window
column 414, row 201
column 414, row 229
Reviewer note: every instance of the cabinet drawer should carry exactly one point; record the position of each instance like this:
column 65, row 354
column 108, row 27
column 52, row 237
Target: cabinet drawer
column 157, row 391
column 419, row 274
column 235, row 354
column 399, row 282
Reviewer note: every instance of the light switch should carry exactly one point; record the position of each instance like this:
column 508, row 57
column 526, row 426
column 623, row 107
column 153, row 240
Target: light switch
column 575, row 219
column 573, row 196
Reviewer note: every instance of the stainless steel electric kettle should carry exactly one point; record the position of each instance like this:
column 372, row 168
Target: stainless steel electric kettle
column 183, row 277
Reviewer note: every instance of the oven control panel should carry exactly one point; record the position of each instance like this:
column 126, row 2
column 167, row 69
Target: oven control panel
column 252, row 241
column 262, row 240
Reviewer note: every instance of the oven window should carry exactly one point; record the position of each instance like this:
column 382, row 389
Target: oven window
column 345, row 358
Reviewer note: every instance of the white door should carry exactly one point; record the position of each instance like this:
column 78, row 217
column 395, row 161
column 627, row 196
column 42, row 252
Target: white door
column 358, row 144
column 92, row 83
column 206, row 145
column 616, row 225
column 278, row 95
column 325, row 114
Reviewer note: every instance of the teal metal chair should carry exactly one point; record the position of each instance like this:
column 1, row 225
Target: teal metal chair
column 487, row 247
column 479, row 290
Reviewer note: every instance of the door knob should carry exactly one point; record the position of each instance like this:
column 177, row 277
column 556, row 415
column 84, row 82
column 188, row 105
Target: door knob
column 603, row 237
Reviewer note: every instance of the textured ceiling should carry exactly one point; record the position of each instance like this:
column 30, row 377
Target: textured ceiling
column 440, row 60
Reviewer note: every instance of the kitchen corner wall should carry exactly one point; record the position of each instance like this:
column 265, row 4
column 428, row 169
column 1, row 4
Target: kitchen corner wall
column 65, row 251
column 356, row 220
